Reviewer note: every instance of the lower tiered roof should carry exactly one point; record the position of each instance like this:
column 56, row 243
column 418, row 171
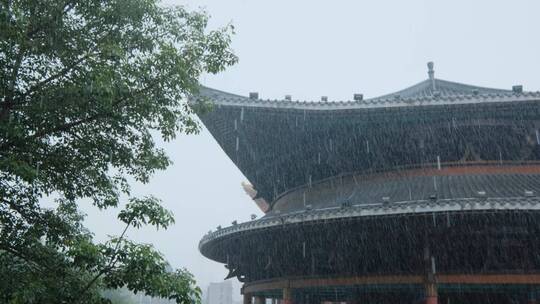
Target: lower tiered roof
column 328, row 215
column 413, row 185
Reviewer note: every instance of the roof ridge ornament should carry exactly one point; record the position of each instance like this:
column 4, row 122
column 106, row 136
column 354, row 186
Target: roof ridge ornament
column 518, row 89
column 358, row 97
column 431, row 74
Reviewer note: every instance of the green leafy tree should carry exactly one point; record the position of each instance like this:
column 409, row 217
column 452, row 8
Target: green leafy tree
column 84, row 86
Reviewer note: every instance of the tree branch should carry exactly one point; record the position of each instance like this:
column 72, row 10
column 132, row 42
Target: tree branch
column 8, row 102
column 110, row 266
column 58, row 75
column 68, row 6
column 21, row 256
column 68, row 68
column 25, row 215
column 68, row 126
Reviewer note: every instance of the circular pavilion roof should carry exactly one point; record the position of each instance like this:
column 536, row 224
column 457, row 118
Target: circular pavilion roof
column 324, row 215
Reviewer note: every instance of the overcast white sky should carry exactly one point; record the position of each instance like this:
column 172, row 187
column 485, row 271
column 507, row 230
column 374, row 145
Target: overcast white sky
column 335, row 48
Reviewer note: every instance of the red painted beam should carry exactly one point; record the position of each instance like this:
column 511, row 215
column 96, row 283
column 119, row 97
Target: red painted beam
column 299, row 283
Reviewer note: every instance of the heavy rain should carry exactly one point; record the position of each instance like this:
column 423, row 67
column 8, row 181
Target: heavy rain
column 276, row 152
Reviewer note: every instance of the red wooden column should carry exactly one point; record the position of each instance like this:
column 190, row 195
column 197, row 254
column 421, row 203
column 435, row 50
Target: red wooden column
column 247, row 298
column 287, row 296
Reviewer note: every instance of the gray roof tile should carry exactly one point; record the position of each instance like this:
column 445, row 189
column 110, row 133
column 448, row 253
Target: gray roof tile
column 423, row 93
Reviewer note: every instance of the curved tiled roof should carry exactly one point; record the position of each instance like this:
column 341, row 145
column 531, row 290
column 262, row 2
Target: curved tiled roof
column 283, row 144
column 431, row 87
column 379, row 209
column 423, row 93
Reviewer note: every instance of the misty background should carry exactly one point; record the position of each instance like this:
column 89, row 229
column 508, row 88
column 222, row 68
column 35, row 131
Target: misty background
column 333, row 48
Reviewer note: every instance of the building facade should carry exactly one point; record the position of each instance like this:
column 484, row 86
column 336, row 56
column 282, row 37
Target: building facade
column 219, row 293
column 426, row 195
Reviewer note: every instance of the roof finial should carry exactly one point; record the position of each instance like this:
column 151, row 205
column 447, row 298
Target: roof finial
column 431, row 72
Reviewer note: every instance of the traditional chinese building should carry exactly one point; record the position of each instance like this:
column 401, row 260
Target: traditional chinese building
column 429, row 194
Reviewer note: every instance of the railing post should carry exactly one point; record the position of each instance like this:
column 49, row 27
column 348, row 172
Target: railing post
column 430, row 286
column 431, row 294
column 259, row 300
column 532, row 297
column 287, row 295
